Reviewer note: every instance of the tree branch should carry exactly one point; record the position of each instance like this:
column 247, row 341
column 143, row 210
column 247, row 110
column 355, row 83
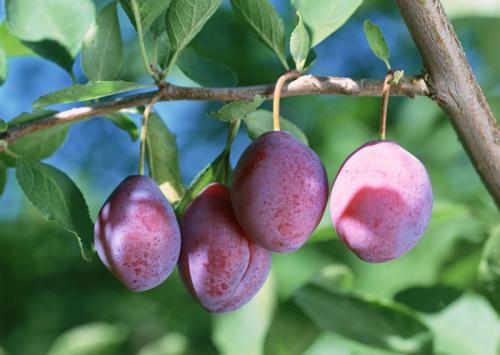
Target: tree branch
column 455, row 88
column 305, row 85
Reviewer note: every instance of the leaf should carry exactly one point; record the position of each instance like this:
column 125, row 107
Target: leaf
column 489, row 269
column 3, row 177
column 90, row 339
column 428, row 299
column 261, row 121
column 170, row 344
column 377, row 42
column 50, row 22
column 263, row 19
column 162, row 158
column 58, row 198
column 3, row 126
column 204, row 71
column 12, row 45
column 237, row 109
column 90, row 91
column 368, row 320
column 124, row 122
column 217, row 171
column 40, row 144
column 291, row 331
column 184, row 20
column 3, row 66
column 101, row 55
column 324, row 17
column 149, row 11
column 300, row 43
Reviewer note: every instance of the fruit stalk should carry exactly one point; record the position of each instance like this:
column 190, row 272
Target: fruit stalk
column 144, row 131
column 386, row 92
column 290, row 75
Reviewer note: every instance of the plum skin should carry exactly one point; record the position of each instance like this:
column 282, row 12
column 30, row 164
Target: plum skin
column 137, row 235
column 219, row 264
column 279, row 192
column 381, row 201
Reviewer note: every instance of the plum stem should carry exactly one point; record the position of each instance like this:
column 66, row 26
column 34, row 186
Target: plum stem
column 289, row 75
column 144, row 132
column 386, row 92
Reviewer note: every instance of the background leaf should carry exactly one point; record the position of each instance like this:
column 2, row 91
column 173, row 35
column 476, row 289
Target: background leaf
column 149, row 11
column 170, row 344
column 3, row 66
column 11, row 44
column 263, row 19
column 58, row 198
column 261, row 121
column 102, row 47
column 377, row 42
column 125, row 123
column 237, row 109
column 428, row 299
column 184, row 20
column 162, row 158
column 90, row 91
column 489, row 269
column 300, row 43
column 324, row 17
column 3, row 176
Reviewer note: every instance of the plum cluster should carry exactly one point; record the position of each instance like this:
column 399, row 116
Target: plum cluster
column 381, row 203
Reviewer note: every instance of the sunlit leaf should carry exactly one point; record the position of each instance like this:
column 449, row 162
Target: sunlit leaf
column 237, row 109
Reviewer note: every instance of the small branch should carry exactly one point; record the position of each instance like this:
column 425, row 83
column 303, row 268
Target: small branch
column 305, row 85
column 455, row 88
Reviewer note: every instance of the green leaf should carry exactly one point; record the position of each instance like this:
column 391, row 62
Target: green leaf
column 184, row 20
column 40, row 144
column 237, row 109
column 263, row 19
column 368, row 320
column 261, row 121
column 205, row 71
column 162, row 158
column 12, row 45
column 124, row 122
column 90, row 91
column 324, row 17
column 3, row 176
column 217, row 171
column 51, row 23
column 489, row 269
column 102, row 47
column 377, row 42
column 90, row 339
column 170, row 344
column 291, row 331
column 300, row 43
column 149, row 11
column 3, row 126
column 3, row 66
column 428, row 299
column 59, row 199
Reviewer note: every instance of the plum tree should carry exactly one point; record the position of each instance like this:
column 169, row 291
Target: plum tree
column 219, row 264
column 381, row 201
column 137, row 235
column 279, row 192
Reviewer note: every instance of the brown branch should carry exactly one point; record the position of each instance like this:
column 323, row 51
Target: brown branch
column 455, row 88
column 305, row 85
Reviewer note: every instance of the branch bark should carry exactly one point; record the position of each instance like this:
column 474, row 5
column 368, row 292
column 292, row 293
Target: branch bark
column 305, row 85
column 454, row 87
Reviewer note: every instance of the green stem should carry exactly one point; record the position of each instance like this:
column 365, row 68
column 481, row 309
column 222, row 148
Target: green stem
column 138, row 24
column 144, row 133
column 234, row 126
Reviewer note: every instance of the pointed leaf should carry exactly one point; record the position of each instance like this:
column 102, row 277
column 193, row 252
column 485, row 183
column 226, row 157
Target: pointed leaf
column 162, row 158
column 428, row 299
column 149, row 11
column 124, row 122
column 377, row 42
column 237, row 109
column 12, row 45
column 90, row 91
column 261, row 121
column 58, row 198
column 102, row 47
column 263, row 19
column 300, row 44
column 324, row 17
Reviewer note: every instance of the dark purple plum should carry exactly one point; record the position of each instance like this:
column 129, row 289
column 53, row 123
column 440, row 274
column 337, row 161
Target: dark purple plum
column 136, row 234
column 279, row 192
column 222, row 268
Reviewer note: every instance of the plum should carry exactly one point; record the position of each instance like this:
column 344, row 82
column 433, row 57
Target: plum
column 137, row 235
column 220, row 265
column 279, row 192
column 381, row 201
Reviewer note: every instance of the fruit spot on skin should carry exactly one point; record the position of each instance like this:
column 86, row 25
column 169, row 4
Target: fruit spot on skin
column 381, row 201
column 220, row 266
column 279, row 192
column 136, row 234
